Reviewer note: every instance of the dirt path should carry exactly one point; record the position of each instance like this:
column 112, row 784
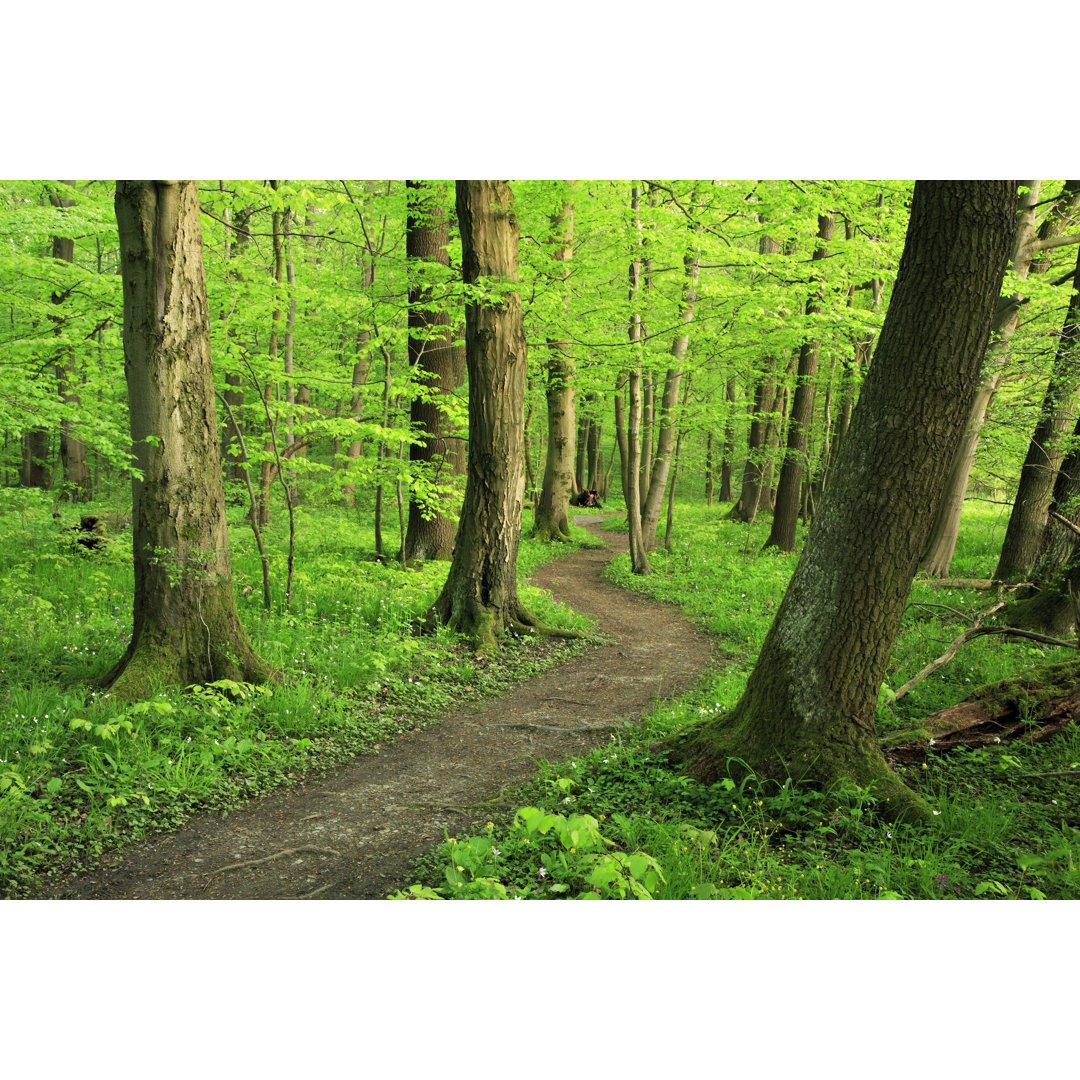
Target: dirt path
column 352, row 832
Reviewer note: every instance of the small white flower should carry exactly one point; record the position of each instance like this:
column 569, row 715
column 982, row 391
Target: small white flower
column 931, row 742
column 936, row 812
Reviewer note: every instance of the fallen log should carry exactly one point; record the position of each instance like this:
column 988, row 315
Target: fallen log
column 1029, row 707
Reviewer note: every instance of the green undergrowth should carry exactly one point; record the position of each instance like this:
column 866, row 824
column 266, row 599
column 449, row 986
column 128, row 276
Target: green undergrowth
column 621, row 823
column 80, row 774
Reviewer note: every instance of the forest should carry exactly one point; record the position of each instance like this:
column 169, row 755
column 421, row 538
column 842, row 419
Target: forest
column 686, row 539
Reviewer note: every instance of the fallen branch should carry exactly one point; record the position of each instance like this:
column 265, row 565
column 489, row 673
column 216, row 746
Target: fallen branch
column 962, row 583
column 582, row 727
column 972, row 632
column 271, row 858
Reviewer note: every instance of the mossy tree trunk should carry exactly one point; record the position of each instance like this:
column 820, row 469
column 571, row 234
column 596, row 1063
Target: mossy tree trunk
column 430, row 533
column 809, row 706
column 186, row 628
column 480, row 597
column 552, row 520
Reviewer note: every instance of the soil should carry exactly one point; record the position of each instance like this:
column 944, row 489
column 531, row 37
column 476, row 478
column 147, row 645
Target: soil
column 353, row 832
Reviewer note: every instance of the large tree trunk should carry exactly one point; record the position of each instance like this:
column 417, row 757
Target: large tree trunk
column 1023, row 537
column 552, row 517
column 809, row 706
column 480, row 597
column 186, row 628
column 430, row 533
column 789, row 488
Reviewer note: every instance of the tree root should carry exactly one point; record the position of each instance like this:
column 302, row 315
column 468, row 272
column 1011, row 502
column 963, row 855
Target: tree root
column 271, row 858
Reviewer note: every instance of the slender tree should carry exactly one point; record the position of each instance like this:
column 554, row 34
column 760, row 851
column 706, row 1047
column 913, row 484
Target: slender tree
column 1039, row 471
column 186, row 628
column 809, row 706
column 789, row 488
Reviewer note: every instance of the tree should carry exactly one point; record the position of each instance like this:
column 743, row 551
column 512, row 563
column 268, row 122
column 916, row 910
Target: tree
column 552, row 519
column 1028, row 242
column 430, row 533
column 186, row 628
column 789, row 488
column 480, row 597
column 1038, row 473
column 809, row 706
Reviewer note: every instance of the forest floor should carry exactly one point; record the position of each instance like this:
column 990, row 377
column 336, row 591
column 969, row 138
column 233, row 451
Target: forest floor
column 354, row 832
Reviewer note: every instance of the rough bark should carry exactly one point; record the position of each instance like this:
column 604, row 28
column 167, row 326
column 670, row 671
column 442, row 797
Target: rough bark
column 789, row 488
column 430, row 533
column 480, row 597
column 809, row 706
column 186, row 628
column 552, row 517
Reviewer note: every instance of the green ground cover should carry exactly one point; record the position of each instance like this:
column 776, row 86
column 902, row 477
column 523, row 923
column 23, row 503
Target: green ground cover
column 79, row 774
column 621, row 823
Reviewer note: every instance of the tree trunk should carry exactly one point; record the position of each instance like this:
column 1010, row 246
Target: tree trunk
column 35, row 470
column 186, row 628
column 480, row 597
column 755, row 481
column 552, row 517
column 943, row 536
column 430, row 533
column 639, row 560
column 809, row 707
column 789, row 489
column 266, row 472
column 77, row 486
column 727, row 462
column 1023, row 538
column 668, row 419
column 708, row 470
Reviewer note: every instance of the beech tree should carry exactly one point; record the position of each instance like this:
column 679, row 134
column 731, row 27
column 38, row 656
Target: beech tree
column 552, row 520
column 480, row 597
column 809, row 705
column 186, row 628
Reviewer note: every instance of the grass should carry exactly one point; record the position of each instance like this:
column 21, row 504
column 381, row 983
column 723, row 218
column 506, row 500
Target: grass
column 621, row 823
column 80, row 775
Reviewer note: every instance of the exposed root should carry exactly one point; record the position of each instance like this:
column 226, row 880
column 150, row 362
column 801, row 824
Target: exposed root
column 271, row 858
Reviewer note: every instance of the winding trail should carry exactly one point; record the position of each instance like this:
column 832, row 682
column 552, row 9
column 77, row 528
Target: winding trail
column 352, row 832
